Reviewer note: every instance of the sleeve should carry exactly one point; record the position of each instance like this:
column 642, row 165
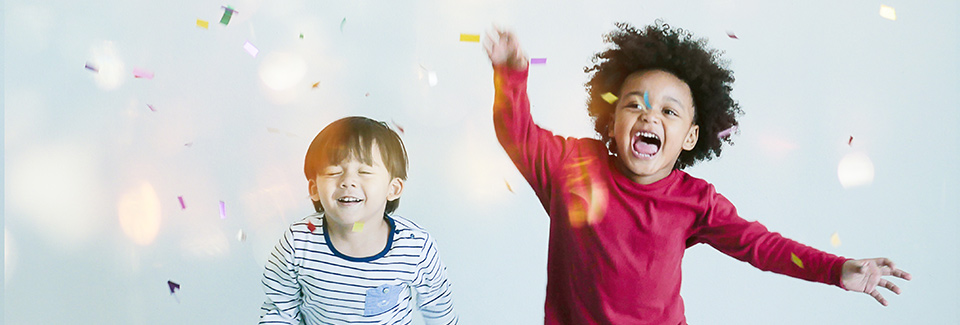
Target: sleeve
column 433, row 287
column 535, row 151
column 751, row 242
column 280, row 284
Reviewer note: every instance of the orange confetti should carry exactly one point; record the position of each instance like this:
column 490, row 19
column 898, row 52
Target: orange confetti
column 316, row 85
column 311, row 226
column 796, row 260
column 508, row 185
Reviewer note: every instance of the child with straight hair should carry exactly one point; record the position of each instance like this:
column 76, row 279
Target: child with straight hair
column 353, row 262
column 621, row 209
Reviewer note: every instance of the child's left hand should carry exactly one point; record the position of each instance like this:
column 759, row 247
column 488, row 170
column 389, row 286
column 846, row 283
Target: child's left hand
column 866, row 276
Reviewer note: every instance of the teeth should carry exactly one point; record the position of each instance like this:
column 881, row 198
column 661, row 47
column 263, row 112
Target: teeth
column 647, row 134
column 348, row 199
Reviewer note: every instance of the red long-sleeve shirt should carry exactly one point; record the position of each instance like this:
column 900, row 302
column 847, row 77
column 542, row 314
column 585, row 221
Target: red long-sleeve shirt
column 616, row 245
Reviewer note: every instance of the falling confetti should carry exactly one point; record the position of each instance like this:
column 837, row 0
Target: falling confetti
column 241, row 236
column 227, row 14
column 251, row 49
column 357, row 226
column 731, row 35
column 223, row 210
column 91, row 67
column 311, row 226
column 342, row 22
column 173, row 286
column 796, row 260
column 470, row 38
column 183, row 206
column 399, row 128
column 646, row 100
column 508, row 185
column 727, row 132
column 316, row 85
column 835, row 240
column 850, row 142
column 538, row 61
column 151, row 107
column 203, row 24
column 141, row 73
column 888, row 12
column 366, row 95
column 301, row 35
column 188, row 144
column 609, row 97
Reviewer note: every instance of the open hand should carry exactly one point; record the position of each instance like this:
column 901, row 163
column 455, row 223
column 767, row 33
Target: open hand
column 502, row 48
column 866, row 276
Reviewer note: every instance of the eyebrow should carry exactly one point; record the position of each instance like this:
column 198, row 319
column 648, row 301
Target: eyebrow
column 637, row 93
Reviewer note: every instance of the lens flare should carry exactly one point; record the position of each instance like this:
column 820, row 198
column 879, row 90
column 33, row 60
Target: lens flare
column 855, row 169
column 139, row 211
column 281, row 71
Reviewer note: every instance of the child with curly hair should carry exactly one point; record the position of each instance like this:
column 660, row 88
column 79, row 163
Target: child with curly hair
column 621, row 209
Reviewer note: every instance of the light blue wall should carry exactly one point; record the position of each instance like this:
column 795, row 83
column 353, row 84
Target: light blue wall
column 80, row 145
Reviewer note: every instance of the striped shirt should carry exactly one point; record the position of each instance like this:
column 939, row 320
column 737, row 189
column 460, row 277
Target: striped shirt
column 307, row 281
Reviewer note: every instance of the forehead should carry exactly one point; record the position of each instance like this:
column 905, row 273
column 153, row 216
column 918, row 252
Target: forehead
column 658, row 82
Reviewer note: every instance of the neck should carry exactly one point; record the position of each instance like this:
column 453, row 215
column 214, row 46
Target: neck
column 368, row 241
column 642, row 179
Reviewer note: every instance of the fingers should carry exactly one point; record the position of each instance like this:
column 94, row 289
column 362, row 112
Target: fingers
column 890, row 286
column 887, row 267
column 876, row 295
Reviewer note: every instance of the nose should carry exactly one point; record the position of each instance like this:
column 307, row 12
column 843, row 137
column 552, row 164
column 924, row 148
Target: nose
column 648, row 115
column 348, row 181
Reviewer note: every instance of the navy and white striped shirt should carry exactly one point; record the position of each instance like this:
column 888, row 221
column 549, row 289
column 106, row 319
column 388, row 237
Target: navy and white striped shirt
column 307, row 281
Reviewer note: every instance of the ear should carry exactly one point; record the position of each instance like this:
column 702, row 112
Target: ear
column 691, row 140
column 396, row 188
column 314, row 192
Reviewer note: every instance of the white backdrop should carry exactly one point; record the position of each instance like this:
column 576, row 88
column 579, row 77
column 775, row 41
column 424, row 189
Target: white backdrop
column 94, row 162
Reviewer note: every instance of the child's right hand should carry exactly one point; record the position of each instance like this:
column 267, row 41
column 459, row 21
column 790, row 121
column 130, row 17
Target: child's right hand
column 502, row 48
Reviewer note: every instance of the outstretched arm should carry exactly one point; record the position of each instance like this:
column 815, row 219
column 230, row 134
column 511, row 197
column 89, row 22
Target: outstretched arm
column 503, row 49
column 866, row 276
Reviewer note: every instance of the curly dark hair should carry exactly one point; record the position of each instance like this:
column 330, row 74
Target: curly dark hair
column 660, row 47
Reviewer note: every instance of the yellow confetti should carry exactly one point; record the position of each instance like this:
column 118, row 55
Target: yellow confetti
column 357, row 226
column 835, row 240
column 470, row 38
column 888, row 12
column 609, row 97
column 796, row 260
column 508, row 185
column 203, row 23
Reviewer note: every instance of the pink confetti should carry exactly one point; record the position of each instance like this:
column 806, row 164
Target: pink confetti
column 151, row 107
column 731, row 35
column 141, row 73
column 311, row 226
column 183, row 206
column 850, row 142
column 91, row 67
column 251, row 49
column 223, row 210
column 727, row 132
column 538, row 61
column 400, row 128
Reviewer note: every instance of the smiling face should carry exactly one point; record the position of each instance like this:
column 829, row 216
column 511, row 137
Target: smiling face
column 649, row 139
column 352, row 191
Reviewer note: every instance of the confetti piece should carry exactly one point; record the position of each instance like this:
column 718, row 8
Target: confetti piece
column 609, row 97
column 223, row 210
column 151, row 107
column 227, row 14
column 796, row 260
column 399, row 128
column 183, row 206
column 850, row 142
column 188, row 144
column 357, row 226
column 301, row 35
column 888, row 12
column 835, row 240
column 470, row 38
column 727, row 132
column 508, row 186
column 311, row 226
column 342, row 22
column 203, row 24
column 646, row 100
column 731, row 35
column 173, row 286
column 141, row 73
column 241, row 236
column 538, row 61
column 91, row 67
column 316, row 85
column 251, row 49
column 366, row 95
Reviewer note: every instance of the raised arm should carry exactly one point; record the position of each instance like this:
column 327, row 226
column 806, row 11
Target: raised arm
column 280, row 284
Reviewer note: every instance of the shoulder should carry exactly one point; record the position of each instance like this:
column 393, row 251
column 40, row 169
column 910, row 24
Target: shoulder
column 689, row 185
column 404, row 228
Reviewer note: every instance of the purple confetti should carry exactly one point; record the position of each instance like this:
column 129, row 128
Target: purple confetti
column 223, row 210
column 251, row 49
column 182, row 205
column 91, row 68
column 151, row 107
column 538, row 61
column 173, row 286
column 727, row 132
column 141, row 73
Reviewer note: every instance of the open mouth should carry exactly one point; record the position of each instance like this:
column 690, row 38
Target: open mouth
column 349, row 200
column 646, row 144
